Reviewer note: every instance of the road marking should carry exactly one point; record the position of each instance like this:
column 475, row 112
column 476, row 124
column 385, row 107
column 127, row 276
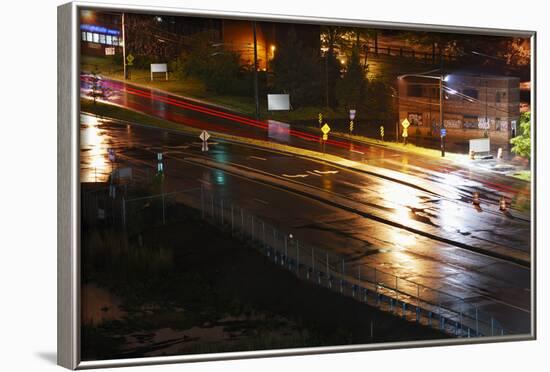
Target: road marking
column 295, row 175
column 178, row 147
column 257, row 158
column 204, row 181
column 357, row 151
column 313, row 173
column 261, row 201
column 326, row 172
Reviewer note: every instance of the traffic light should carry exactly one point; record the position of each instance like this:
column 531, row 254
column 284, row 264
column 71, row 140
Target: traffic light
column 350, row 126
column 382, row 132
column 320, row 118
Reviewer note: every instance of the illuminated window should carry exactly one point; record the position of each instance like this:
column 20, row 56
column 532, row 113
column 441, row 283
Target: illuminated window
column 96, row 37
column 89, row 37
column 83, row 36
column 115, row 40
column 101, row 39
column 109, row 40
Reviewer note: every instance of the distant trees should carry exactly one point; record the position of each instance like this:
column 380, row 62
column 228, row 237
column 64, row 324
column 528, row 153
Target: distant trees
column 351, row 90
column 220, row 70
column 521, row 145
column 296, row 70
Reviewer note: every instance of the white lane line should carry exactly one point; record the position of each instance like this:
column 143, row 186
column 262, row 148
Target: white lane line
column 326, row 172
column 261, row 201
column 313, row 173
column 295, row 175
column 204, row 181
column 257, row 158
column 357, row 151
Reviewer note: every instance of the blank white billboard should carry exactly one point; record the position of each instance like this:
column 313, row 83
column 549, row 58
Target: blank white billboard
column 278, row 102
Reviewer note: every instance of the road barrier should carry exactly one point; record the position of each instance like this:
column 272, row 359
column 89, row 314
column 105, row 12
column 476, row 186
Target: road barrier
column 343, row 274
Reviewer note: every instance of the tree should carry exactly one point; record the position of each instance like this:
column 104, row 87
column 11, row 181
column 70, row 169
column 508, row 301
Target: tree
column 296, row 71
column 219, row 69
column 521, row 145
column 351, row 90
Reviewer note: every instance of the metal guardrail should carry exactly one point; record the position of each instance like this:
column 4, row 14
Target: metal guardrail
column 405, row 298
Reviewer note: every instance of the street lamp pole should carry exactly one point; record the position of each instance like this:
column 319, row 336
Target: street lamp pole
column 441, row 78
column 124, row 47
column 256, row 98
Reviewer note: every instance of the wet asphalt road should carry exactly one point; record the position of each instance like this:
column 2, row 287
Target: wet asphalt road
column 463, row 180
column 501, row 287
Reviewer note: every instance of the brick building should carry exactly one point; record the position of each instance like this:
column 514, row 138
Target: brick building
column 473, row 106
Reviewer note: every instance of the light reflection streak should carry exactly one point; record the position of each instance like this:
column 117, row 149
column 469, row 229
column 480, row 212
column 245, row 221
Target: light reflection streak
column 94, row 142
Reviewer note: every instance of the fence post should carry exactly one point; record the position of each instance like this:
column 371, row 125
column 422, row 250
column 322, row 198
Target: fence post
column 221, row 210
column 242, row 221
column 297, row 258
column 252, row 226
column 477, row 324
column 417, row 302
column 202, row 201
column 396, row 290
column 232, row 219
column 312, row 260
column 263, row 234
column 283, row 261
column 124, row 212
column 163, row 213
column 212, row 203
column 375, row 283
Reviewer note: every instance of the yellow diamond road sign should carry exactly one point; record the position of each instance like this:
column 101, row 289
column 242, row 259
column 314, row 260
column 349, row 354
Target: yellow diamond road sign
column 405, row 123
column 130, row 59
column 325, row 129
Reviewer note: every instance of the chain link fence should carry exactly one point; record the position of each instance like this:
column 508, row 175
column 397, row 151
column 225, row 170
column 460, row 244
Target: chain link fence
column 405, row 298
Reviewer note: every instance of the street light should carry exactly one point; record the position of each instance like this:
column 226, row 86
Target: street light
column 441, row 78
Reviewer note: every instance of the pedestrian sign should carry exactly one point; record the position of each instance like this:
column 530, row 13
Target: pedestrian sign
column 130, row 60
column 204, row 136
column 443, row 132
column 112, row 154
column 325, row 129
column 405, row 124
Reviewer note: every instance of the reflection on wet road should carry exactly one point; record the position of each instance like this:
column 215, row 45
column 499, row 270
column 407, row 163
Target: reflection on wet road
column 394, row 250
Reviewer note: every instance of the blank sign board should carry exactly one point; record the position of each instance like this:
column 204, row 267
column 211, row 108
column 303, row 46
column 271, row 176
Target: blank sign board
column 278, row 102
column 480, row 145
column 159, row 67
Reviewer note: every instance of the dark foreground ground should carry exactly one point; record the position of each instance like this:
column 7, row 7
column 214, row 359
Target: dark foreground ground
column 187, row 287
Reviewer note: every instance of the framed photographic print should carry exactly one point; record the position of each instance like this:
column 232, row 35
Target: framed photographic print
column 236, row 185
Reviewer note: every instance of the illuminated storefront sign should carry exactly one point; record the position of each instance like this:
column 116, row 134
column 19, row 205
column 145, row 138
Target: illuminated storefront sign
column 99, row 29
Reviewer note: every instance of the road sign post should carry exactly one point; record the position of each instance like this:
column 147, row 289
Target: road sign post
column 351, row 118
column 160, row 163
column 204, row 136
column 405, row 124
column 443, row 133
column 129, row 62
column 325, row 129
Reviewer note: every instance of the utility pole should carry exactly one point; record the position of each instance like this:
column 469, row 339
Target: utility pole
column 326, row 78
column 124, row 47
column 441, row 114
column 256, row 98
